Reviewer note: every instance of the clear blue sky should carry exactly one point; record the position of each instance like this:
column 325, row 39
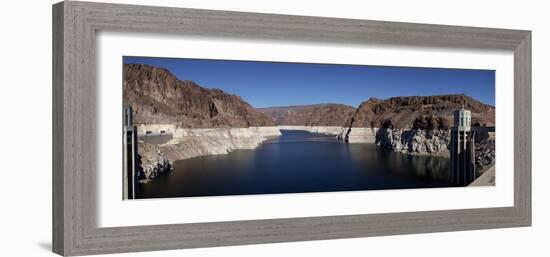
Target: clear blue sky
column 266, row 84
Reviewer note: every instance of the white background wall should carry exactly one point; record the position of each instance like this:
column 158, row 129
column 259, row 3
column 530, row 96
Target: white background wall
column 25, row 106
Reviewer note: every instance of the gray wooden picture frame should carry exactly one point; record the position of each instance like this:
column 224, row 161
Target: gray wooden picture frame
column 75, row 25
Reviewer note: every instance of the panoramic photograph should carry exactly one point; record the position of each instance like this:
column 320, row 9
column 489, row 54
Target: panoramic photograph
column 204, row 127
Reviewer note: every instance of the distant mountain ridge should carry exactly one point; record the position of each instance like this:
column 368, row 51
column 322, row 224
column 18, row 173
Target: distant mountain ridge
column 157, row 96
column 329, row 114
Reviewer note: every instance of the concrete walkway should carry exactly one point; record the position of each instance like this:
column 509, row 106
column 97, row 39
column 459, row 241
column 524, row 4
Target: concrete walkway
column 486, row 179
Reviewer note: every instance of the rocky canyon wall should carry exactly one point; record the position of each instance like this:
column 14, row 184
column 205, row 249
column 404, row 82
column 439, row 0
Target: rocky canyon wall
column 358, row 135
column 415, row 124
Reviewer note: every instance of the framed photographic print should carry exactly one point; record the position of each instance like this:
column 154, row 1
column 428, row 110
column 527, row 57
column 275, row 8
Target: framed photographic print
column 182, row 128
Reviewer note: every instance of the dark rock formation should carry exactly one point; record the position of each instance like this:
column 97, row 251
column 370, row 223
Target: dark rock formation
column 152, row 162
column 485, row 151
column 157, row 96
column 414, row 141
column 419, row 112
column 310, row 115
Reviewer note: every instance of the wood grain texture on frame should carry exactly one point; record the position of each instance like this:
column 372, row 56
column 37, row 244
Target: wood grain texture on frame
column 75, row 25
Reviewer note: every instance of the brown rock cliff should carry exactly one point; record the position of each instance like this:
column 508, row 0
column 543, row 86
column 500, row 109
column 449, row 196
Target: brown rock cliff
column 157, row 96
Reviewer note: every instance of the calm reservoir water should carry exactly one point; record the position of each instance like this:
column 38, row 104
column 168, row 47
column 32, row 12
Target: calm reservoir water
column 297, row 162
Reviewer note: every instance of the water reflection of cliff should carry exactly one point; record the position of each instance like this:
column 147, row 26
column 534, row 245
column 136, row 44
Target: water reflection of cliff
column 372, row 157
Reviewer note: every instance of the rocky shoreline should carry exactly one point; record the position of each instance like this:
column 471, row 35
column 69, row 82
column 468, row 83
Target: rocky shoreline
column 186, row 143
column 325, row 130
column 152, row 162
column 415, row 141
column 358, row 135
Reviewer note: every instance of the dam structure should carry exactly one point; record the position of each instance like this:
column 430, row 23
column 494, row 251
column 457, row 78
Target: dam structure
column 463, row 168
column 130, row 155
